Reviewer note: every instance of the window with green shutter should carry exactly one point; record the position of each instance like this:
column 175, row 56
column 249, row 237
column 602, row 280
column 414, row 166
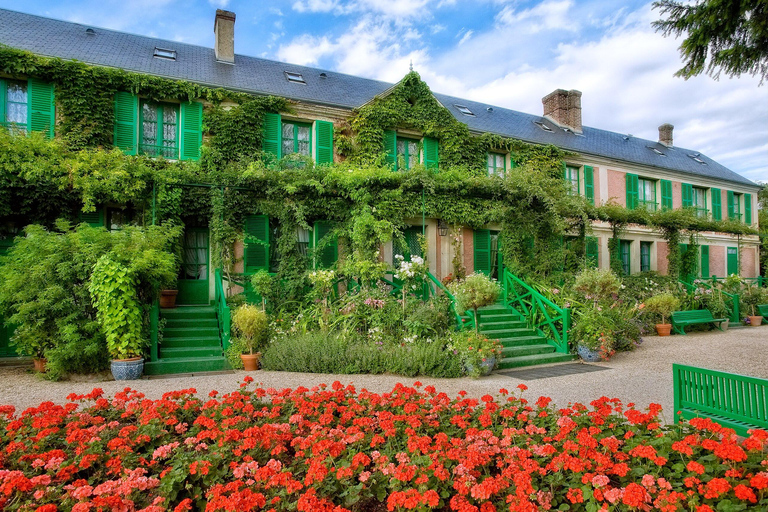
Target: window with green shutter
column 482, row 250
column 571, row 175
column 256, row 254
column 95, row 219
column 41, row 107
column 734, row 205
column 699, row 201
column 14, row 104
column 159, row 129
column 625, row 251
column 666, row 195
column 704, row 261
column 717, row 203
column 323, row 142
column 431, row 153
column 592, row 252
column 687, row 193
column 272, row 124
column 632, row 191
column 733, row 261
column 191, row 123
column 646, row 194
column 408, row 246
column 126, row 124
column 390, row 148
column 407, row 153
column 748, row 209
column 589, row 183
column 295, row 138
column 645, row 256
column 326, row 243
column 497, row 164
column 27, row 106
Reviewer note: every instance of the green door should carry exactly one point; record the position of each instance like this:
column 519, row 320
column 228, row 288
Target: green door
column 488, row 255
column 733, row 260
column 193, row 278
column 6, row 331
column 496, row 256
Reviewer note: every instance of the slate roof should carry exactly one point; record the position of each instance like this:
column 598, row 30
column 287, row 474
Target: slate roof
column 131, row 52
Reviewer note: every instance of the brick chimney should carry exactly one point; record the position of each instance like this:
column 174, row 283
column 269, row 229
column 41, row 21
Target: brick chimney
column 564, row 108
column 665, row 134
column 224, row 28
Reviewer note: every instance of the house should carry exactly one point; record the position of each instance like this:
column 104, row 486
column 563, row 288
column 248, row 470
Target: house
column 603, row 167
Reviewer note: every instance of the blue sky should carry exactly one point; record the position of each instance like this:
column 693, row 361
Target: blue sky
column 509, row 53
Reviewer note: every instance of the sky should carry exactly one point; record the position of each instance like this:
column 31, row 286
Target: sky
column 509, row 53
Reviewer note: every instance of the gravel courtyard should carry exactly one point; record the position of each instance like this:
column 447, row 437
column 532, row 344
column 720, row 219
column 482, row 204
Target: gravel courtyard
column 642, row 376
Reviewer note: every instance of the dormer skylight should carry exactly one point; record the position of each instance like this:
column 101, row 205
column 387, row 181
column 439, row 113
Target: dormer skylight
column 294, row 77
column 656, row 150
column 464, row 110
column 164, row 53
column 543, row 126
column 697, row 159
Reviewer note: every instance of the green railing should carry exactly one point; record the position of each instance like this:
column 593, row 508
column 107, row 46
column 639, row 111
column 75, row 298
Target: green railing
column 759, row 280
column 462, row 322
column 154, row 327
column 222, row 311
column 731, row 299
column 549, row 319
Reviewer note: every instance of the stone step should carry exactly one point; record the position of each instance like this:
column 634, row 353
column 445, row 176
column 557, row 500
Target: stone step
column 186, row 365
column 526, row 350
column 534, row 359
column 189, row 352
column 190, row 332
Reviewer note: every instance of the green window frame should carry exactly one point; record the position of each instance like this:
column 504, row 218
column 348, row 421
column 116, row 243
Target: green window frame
column 325, row 244
column 159, row 129
column 645, row 256
column 571, row 174
column 14, row 104
column 407, row 153
column 625, row 253
column 646, row 194
column 409, row 245
column 734, row 205
column 296, row 137
column 704, row 267
column 118, row 218
column 699, row 201
column 497, row 164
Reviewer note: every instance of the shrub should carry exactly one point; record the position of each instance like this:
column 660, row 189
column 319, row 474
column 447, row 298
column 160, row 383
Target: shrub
column 750, row 297
column 597, row 284
column 476, row 291
column 336, row 448
column 473, row 349
column 663, row 305
column 251, row 326
column 595, row 330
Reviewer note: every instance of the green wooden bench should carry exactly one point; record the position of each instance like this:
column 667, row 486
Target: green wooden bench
column 734, row 401
column 698, row 316
column 762, row 309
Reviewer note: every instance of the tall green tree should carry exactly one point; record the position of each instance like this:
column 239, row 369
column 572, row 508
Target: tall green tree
column 728, row 36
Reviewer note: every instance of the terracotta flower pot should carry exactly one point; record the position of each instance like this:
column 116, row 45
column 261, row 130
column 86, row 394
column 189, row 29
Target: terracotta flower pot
column 250, row 361
column 39, row 364
column 168, row 298
column 754, row 321
column 663, row 329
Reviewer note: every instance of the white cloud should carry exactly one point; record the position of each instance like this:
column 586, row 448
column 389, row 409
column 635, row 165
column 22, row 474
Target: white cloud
column 221, row 4
column 548, row 15
column 315, row 5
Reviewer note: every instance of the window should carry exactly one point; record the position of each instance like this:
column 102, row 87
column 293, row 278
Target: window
column 296, row 138
column 736, row 207
column 15, row 95
column 302, row 240
column 118, row 218
column 646, row 190
column 164, row 53
column 159, row 130
column 699, row 201
column 464, row 110
column 645, row 256
column 407, row 153
column 572, row 178
column 625, row 246
column 497, row 164
column 542, row 126
column 294, row 77
column 410, row 244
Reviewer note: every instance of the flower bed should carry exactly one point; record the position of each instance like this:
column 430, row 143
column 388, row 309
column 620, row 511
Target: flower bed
column 338, row 449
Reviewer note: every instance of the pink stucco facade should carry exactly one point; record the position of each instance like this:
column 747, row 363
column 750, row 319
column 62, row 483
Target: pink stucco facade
column 717, row 260
column 677, row 195
column 748, row 262
column 617, row 187
column 598, row 197
column 468, row 244
column 662, row 265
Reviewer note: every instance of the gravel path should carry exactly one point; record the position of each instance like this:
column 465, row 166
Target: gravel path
column 642, row 376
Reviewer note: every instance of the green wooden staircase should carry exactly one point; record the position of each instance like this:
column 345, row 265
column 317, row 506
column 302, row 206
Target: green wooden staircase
column 523, row 346
column 191, row 342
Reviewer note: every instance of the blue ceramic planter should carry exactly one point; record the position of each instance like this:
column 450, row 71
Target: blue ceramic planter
column 486, row 367
column 588, row 355
column 127, row 369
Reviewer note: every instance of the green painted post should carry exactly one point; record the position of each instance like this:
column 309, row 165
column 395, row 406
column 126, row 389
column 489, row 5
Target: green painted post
column 154, row 204
column 566, row 326
column 676, row 393
column 154, row 320
column 735, row 314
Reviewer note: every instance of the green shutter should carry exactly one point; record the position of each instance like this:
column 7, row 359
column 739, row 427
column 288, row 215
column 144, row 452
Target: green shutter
column 483, row 251
column 748, row 209
column 731, row 211
column 687, row 190
column 390, row 148
column 430, row 153
column 589, row 183
column 733, row 260
column 717, row 203
column 41, row 117
column 126, row 130
column 704, row 261
column 330, row 251
column 632, row 194
column 593, row 252
column 256, row 243
column 191, row 130
column 94, row 219
column 272, row 130
column 666, row 195
column 3, row 94
column 323, row 142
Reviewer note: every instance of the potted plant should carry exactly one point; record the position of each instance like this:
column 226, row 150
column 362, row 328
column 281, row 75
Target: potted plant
column 478, row 353
column 168, row 289
column 119, row 314
column 594, row 334
column 250, row 325
column 751, row 297
column 476, row 291
column 663, row 305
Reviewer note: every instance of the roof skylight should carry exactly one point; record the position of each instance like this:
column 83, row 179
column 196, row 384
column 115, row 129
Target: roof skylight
column 164, row 53
column 656, row 150
column 294, row 77
column 697, row 159
column 464, row 110
column 543, row 126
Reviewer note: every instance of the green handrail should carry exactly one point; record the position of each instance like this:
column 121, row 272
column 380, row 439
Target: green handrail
column 549, row 319
column 733, row 298
column 222, row 311
column 460, row 324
